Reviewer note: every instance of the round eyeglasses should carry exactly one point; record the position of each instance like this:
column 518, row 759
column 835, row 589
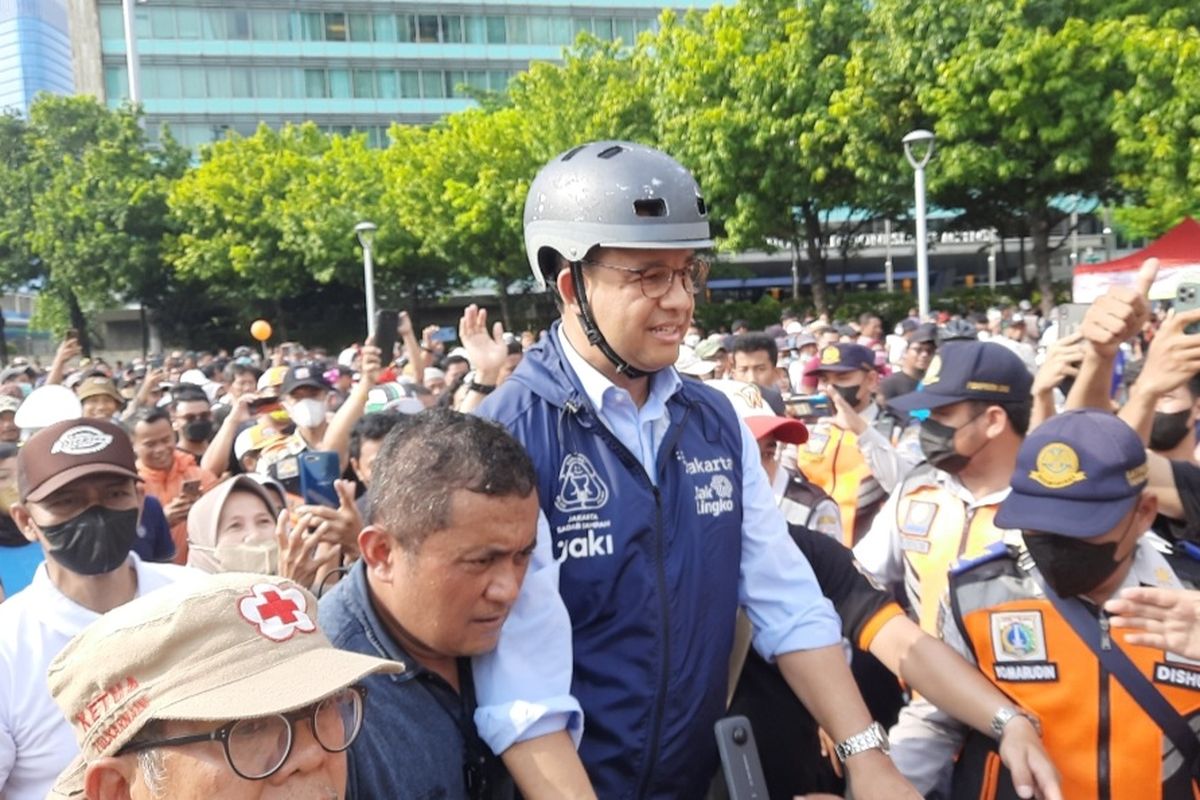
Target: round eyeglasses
column 256, row 748
column 657, row 279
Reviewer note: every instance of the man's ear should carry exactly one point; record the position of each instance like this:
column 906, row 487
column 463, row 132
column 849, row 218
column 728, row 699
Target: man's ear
column 566, row 287
column 24, row 522
column 109, row 779
column 380, row 551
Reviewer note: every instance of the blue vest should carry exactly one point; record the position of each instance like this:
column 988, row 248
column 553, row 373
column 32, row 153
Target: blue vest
column 649, row 573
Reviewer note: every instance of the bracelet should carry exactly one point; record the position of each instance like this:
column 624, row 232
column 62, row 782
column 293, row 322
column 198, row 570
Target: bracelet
column 481, row 388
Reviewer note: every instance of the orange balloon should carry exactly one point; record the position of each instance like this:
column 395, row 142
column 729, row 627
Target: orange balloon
column 260, row 329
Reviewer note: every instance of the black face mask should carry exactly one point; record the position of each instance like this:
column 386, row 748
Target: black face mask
column 1071, row 567
column 937, row 443
column 198, row 431
column 849, row 394
column 1169, row 429
column 96, row 541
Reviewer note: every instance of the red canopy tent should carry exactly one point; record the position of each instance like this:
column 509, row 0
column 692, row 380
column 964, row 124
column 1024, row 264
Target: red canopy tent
column 1177, row 251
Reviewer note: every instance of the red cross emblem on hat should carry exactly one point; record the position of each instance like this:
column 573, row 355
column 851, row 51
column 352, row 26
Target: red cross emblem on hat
column 277, row 611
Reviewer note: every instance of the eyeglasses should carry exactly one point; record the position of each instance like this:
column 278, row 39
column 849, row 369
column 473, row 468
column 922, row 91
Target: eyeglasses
column 656, row 280
column 256, row 748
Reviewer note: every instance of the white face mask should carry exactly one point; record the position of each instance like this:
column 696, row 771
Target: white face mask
column 308, row 413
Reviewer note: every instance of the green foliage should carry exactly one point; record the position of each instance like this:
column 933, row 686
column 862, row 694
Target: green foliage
column 83, row 207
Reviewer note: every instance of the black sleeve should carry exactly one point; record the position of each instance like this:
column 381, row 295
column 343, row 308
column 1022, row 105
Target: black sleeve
column 856, row 596
column 1187, row 483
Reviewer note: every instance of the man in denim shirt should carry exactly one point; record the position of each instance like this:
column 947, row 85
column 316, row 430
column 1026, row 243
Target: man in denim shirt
column 451, row 525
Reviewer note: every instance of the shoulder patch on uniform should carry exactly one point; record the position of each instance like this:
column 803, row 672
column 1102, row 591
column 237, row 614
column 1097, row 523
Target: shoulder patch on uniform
column 993, row 552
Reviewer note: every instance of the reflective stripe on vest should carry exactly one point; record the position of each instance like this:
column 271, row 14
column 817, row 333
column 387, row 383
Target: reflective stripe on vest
column 831, row 459
column 936, row 531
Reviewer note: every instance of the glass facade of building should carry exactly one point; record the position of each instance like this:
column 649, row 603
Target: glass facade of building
column 207, row 67
column 35, row 51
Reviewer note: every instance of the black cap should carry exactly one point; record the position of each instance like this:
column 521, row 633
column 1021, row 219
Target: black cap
column 303, row 375
column 968, row 370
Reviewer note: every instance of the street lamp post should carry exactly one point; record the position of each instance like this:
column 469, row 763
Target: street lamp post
column 887, row 257
column 917, row 139
column 132, row 65
column 365, row 231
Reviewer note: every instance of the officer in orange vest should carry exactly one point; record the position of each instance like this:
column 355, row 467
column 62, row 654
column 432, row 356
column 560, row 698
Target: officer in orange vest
column 978, row 402
column 852, row 456
column 1029, row 614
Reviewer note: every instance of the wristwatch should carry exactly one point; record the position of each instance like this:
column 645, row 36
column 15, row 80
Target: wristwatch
column 1007, row 714
column 873, row 737
column 481, row 388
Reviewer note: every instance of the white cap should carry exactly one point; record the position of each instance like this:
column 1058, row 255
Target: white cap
column 689, row 363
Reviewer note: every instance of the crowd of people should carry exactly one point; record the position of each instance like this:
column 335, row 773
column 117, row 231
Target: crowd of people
column 957, row 559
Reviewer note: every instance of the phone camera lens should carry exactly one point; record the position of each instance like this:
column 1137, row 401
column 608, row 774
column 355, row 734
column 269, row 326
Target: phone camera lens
column 739, row 735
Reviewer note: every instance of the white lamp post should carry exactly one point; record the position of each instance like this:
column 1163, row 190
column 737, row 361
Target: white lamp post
column 132, row 65
column 365, row 231
column 916, row 140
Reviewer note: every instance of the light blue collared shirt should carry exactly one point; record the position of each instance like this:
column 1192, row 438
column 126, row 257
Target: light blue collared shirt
column 519, row 685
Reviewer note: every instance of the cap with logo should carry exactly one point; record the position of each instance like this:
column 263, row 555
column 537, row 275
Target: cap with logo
column 298, row 377
column 94, row 385
column 69, row 450
column 401, row 397
column 254, row 438
column 272, row 378
column 1077, row 474
column 210, row 648
column 968, row 370
column 9, row 404
column 845, row 357
column 749, row 404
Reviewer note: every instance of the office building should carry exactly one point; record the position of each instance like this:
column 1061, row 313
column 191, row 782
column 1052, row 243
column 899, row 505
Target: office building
column 35, row 52
column 210, row 66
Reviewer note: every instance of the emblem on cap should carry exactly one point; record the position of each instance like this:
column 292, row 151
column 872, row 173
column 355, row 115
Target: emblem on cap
column 302, row 373
column 830, row 355
column 276, row 611
column 1057, row 467
column 751, row 395
column 82, row 440
column 931, row 374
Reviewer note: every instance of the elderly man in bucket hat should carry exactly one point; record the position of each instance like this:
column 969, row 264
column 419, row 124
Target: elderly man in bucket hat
column 223, row 688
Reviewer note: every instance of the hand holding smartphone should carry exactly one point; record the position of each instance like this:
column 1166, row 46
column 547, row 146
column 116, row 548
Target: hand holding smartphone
column 387, row 325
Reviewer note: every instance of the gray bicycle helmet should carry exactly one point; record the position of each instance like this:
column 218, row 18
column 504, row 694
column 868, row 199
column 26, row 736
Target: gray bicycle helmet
column 958, row 330
column 611, row 194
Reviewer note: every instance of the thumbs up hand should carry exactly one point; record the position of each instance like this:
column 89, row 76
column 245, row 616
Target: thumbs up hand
column 1119, row 313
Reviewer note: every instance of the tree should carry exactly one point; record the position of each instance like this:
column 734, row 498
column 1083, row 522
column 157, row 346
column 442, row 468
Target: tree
column 1157, row 122
column 1024, row 122
column 742, row 97
column 84, row 207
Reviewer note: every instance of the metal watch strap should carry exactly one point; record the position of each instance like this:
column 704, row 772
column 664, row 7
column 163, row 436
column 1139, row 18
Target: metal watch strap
column 871, row 738
column 1007, row 714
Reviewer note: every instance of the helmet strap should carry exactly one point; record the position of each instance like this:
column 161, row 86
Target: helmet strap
column 592, row 330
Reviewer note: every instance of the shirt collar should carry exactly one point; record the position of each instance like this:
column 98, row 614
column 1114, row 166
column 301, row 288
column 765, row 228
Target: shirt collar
column 663, row 384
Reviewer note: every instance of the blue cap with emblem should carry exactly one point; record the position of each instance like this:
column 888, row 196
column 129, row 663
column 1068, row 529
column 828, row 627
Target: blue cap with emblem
column 984, row 371
column 845, row 357
column 1077, row 475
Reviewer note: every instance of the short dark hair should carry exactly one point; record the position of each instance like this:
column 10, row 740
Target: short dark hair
column 1017, row 411
column 756, row 342
column 429, row 456
column 151, row 414
column 188, row 393
column 372, row 428
column 234, row 369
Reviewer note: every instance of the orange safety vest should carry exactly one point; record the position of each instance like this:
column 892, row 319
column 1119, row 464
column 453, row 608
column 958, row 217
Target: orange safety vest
column 936, row 531
column 831, row 459
column 1103, row 743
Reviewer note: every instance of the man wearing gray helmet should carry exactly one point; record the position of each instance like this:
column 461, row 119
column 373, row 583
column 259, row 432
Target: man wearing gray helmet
column 657, row 519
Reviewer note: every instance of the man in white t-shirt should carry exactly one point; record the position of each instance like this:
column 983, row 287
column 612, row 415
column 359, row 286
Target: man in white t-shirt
column 80, row 500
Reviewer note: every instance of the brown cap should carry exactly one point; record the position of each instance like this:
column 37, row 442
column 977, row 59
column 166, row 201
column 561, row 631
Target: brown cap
column 69, row 450
column 98, row 384
column 211, row 648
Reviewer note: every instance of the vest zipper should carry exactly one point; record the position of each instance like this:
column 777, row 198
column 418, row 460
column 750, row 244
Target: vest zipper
column 1103, row 758
column 968, row 517
column 664, row 675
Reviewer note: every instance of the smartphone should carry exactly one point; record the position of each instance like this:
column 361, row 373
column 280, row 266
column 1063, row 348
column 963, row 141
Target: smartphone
column 387, row 324
column 1187, row 297
column 740, row 764
column 191, row 488
column 1070, row 317
column 72, row 333
column 811, row 406
column 156, row 362
column 446, row 333
column 261, row 405
column 318, row 470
